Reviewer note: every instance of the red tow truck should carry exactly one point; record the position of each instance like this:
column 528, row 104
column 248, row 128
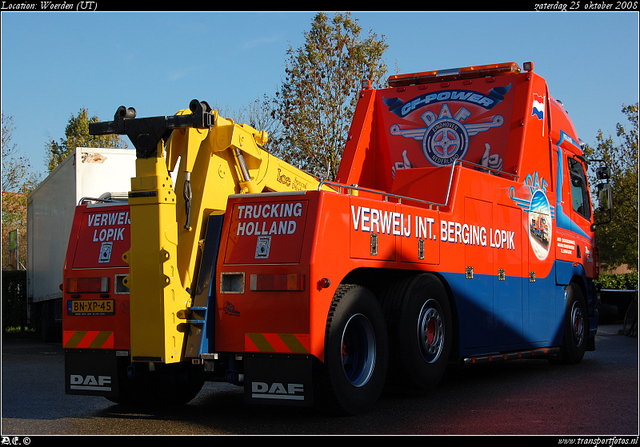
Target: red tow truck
column 424, row 251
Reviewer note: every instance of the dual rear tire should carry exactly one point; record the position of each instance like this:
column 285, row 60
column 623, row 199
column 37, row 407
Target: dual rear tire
column 420, row 329
column 414, row 318
column 352, row 376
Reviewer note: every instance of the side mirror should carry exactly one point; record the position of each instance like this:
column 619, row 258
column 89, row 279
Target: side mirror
column 605, row 196
column 605, row 192
column 603, row 173
column 605, row 206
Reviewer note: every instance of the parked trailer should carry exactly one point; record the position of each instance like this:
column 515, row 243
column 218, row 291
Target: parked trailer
column 85, row 173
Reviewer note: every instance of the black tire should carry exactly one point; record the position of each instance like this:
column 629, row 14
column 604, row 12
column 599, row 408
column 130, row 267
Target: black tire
column 125, row 384
column 420, row 332
column 169, row 385
column 630, row 322
column 50, row 330
column 351, row 378
column 576, row 328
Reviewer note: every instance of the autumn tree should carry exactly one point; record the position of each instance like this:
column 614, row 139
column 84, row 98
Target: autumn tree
column 618, row 240
column 259, row 115
column 17, row 181
column 77, row 135
column 316, row 101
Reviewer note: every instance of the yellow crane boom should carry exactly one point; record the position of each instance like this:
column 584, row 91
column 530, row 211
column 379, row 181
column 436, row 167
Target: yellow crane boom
column 216, row 158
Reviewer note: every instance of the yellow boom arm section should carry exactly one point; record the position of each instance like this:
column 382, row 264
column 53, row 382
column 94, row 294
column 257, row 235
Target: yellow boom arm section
column 217, row 158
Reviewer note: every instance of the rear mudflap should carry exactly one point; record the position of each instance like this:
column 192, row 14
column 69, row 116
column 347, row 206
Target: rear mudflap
column 278, row 379
column 91, row 372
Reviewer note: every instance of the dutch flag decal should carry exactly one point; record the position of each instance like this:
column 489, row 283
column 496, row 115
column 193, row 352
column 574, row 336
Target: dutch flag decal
column 538, row 106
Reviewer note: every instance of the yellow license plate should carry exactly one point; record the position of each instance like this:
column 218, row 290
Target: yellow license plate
column 91, row 307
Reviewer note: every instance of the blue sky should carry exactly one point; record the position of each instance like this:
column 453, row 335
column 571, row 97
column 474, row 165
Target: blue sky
column 53, row 64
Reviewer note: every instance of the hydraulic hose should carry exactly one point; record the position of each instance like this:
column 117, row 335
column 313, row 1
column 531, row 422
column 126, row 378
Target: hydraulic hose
column 186, row 192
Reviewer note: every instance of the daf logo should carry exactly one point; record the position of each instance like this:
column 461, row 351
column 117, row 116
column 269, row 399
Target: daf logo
column 289, row 391
column 89, row 382
column 446, row 139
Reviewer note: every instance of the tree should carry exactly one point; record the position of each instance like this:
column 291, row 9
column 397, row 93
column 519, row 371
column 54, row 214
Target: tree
column 259, row 115
column 316, row 101
column 77, row 135
column 16, row 170
column 618, row 240
column 17, row 181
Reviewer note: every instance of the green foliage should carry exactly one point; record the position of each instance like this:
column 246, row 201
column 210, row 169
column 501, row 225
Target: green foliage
column 618, row 240
column 318, row 97
column 617, row 281
column 77, row 135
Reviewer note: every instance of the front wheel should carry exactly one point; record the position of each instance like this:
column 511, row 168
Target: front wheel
column 575, row 326
column 351, row 378
column 630, row 324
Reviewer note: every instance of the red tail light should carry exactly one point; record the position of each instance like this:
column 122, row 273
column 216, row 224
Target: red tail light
column 87, row 285
column 291, row 282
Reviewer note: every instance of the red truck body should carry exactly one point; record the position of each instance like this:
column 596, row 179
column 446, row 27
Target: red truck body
column 95, row 301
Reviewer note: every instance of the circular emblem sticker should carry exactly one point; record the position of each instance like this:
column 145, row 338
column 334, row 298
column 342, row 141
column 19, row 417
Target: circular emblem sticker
column 540, row 224
column 445, row 141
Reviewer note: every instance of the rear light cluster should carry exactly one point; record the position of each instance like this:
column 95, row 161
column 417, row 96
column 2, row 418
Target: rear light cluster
column 234, row 282
column 287, row 282
column 87, row 285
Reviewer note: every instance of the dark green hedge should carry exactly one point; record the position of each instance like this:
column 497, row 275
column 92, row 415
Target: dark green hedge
column 627, row 281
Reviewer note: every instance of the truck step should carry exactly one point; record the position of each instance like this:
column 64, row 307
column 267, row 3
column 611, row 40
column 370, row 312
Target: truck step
column 198, row 312
column 500, row 356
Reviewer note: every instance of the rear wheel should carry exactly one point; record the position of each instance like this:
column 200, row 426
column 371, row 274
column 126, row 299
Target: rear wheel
column 165, row 385
column 420, row 331
column 351, row 378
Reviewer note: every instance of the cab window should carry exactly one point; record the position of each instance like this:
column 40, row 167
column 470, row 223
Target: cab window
column 579, row 191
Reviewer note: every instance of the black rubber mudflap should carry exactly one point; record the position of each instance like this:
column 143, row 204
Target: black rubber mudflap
column 278, row 380
column 91, row 372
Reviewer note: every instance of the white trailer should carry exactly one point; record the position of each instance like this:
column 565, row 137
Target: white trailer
column 85, row 173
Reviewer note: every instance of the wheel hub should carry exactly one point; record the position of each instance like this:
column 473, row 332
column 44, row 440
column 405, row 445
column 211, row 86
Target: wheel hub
column 430, row 331
column 358, row 350
column 577, row 320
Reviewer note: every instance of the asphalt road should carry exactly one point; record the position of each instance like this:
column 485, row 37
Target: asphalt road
column 598, row 397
